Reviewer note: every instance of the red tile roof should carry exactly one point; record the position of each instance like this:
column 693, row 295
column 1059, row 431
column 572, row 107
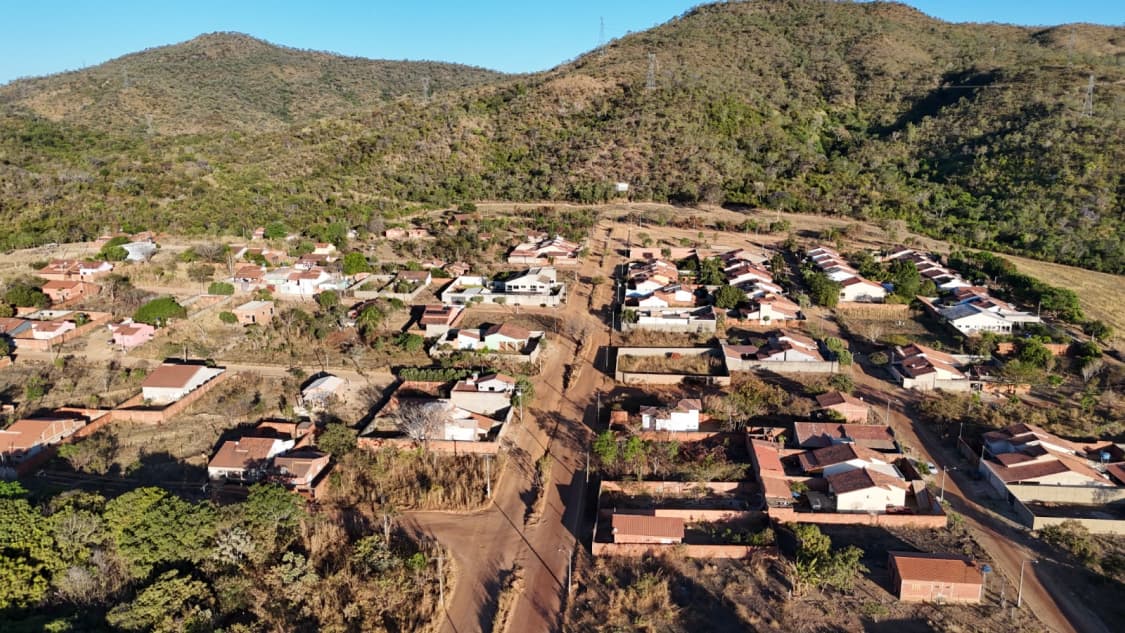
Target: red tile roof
column 643, row 525
column 862, row 478
column 171, row 376
column 945, row 568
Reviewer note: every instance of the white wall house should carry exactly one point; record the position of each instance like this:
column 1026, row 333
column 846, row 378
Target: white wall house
column 682, row 417
column 860, row 289
column 169, row 383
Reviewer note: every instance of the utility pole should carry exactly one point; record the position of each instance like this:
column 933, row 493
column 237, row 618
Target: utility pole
column 441, row 577
column 1019, row 594
column 601, row 37
column 488, row 475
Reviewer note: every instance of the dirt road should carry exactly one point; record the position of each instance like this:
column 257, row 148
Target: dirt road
column 508, row 535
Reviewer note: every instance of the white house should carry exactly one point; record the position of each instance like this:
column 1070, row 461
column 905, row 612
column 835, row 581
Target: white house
column 866, row 490
column 770, row 309
column 169, row 383
column 486, row 395
column 505, row 336
column 860, row 289
column 139, row 251
column 967, row 318
column 321, row 390
column 682, row 417
column 534, row 281
column 748, row 274
column 47, row 330
column 305, row 283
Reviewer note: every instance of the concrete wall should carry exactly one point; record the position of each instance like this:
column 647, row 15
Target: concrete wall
column 1096, row 526
column 97, row 319
column 450, row 447
column 789, row 515
column 635, row 378
column 670, row 487
column 1075, row 495
column 785, row 366
column 691, row 551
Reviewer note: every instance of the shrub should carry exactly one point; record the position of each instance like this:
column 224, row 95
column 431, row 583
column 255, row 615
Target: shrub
column 220, row 288
column 228, row 317
column 159, row 311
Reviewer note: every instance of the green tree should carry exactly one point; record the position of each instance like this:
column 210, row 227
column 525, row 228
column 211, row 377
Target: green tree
column 28, row 555
column 151, row 527
column 369, row 321
column 355, row 262
column 842, row 382
column 605, row 448
column 276, row 231
column 172, row 603
column 200, row 273
column 328, row 299
column 160, row 311
column 1035, row 354
column 220, row 288
column 729, row 297
column 817, row 563
column 113, row 253
column 228, row 317
column 410, row 342
column 271, row 515
column 25, row 295
column 337, row 439
column 907, row 281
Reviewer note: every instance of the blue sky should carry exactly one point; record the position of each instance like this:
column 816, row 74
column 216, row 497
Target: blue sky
column 45, row 36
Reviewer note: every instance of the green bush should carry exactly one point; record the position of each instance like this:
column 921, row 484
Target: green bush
column 228, row 317
column 159, row 311
column 220, row 288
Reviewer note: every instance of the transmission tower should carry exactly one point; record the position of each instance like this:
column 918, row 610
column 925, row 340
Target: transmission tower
column 601, row 37
column 650, row 80
column 125, row 79
column 425, row 88
column 1088, row 102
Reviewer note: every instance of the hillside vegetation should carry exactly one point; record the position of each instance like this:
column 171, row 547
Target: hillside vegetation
column 973, row 133
column 228, row 81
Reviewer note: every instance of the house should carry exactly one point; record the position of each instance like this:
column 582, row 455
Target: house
column 487, row 395
column 540, row 251
column 1018, row 437
column 245, row 459
column 259, row 233
column 171, row 382
column 812, row 435
column 324, row 248
column 703, row 319
column 436, row 320
column 540, row 280
column 300, row 469
column 838, row 458
column 919, row 367
column 867, row 490
column 638, row 528
column 684, row 416
column 859, row 289
column 318, row 392
column 128, row 334
column 305, row 283
column 254, row 312
column 917, row 577
column 850, row 408
column 457, row 269
column 69, row 269
column 770, row 308
column 415, row 278
column 71, row 290
column 744, row 274
column 50, row 330
column 786, row 345
column 1038, row 465
column 766, row 459
column 505, row 336
column 139, row 251
column 26, row 438
column 410, row 233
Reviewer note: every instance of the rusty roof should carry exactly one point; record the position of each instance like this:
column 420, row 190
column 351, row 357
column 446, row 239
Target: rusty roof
column 861, row 478
column 947, row 568
column 644, row 525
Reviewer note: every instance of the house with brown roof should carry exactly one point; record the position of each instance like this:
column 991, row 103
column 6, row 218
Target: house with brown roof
column 73, row 269
column 867, row 490
column 918, row 577
column 843, row 457
column 300, row 469
column 436, row 320
column 170, row 382
column 681, row 417
column 923, row 368
column 813, row 435
column 128, row 334
column 1039, row 466
column 847, row 406
column 489, row 394
column 246, row 459
column 26, row 438
column 638, row 528
column 862, row 290
column 254, row 313
column 62, row 292
column 540, row 252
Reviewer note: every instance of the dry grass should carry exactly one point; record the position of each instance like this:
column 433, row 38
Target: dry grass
column 703, row 364
column 1101, row 294
column 413, row 480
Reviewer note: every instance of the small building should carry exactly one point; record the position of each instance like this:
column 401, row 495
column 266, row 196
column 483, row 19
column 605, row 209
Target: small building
column 684, row 416
column 638, row 528
column 26, row 438
column 812, row 435
column 50, row 330
column 850, row 408
column 917, row 577
column 318, row 392
column 71, row 290
column 487, row 395
column 255, row 312
column 862, row 290
column 128, row 334
column 171, row 382
column 71, row 269
column 246, row 459
column 867, row 490
column 300, row 469
column 438, row 319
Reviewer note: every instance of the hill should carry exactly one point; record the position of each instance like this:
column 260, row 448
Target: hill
column 224, row 81
column 973, row 133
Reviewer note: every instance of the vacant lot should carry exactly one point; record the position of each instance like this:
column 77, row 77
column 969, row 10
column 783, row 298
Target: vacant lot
column 673, row 363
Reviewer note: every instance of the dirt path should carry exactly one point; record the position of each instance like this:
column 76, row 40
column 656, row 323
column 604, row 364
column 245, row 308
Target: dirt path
column 508, row 535
column 999, row 538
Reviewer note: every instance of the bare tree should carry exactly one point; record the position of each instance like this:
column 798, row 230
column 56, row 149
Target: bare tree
column 422, row 421
column 1092, row 368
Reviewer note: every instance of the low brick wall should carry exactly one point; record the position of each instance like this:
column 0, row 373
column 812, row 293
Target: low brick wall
column 125, row 412
column 671, row 487
column 789, row 515
column 1096, row 526
column 692, row 515
column 691, row 551
column 637, row 378
column 861, row 310
column 785, row 366
column 449, row 447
